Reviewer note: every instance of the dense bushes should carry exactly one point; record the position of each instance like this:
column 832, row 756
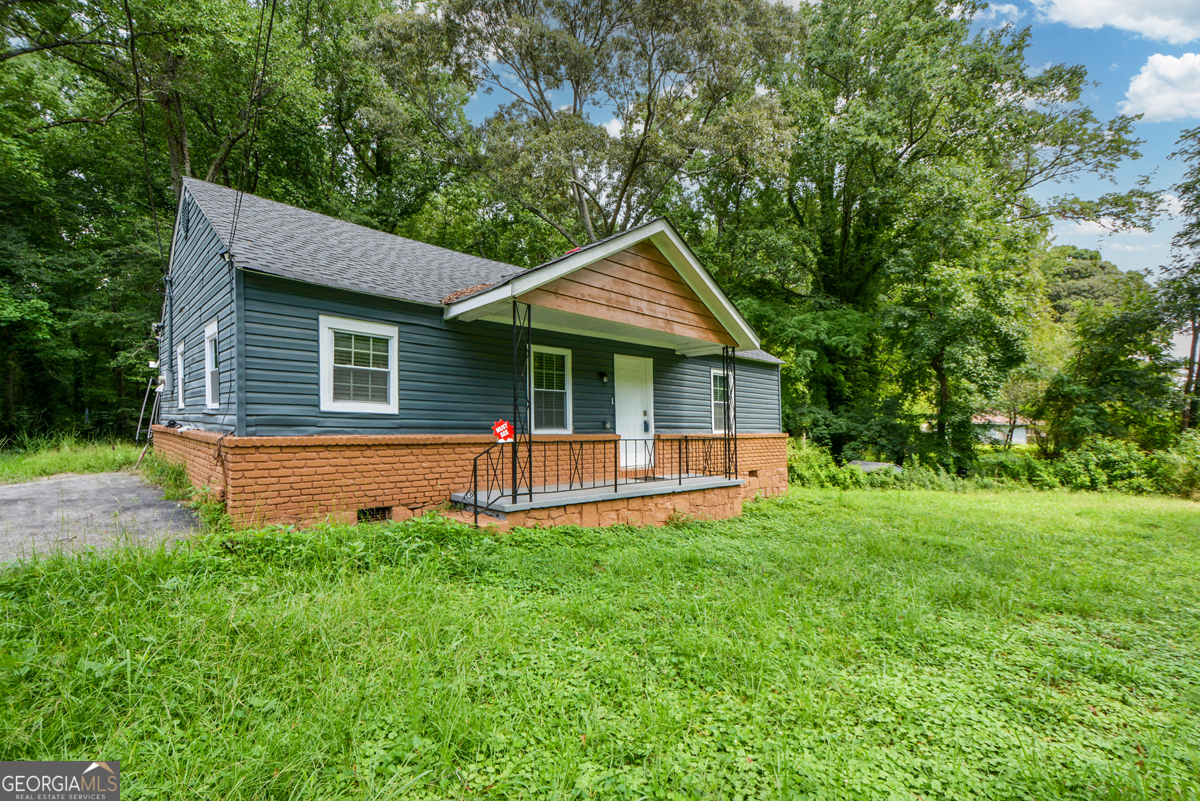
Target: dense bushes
column 1099, row 465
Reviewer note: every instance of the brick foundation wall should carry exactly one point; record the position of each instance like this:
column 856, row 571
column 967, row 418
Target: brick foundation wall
column 306, row 479
column 719, row 503
column 197, row 452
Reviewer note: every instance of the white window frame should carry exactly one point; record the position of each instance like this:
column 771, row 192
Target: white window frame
column 329, row 324
column 568, row 417
column 712, row 385
column 211, row 364
column 179, row 375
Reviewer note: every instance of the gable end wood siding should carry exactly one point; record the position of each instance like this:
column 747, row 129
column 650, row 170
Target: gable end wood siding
column 637, row 287
column 455, row 377
column 202, row 291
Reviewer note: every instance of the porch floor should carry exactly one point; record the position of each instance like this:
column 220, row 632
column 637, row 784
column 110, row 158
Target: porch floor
column 561, row 495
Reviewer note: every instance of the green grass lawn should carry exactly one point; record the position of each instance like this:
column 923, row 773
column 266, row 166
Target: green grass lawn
column 829, row 644
column 65, row 454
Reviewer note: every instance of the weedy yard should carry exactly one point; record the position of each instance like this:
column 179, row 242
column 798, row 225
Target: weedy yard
column 829, row 644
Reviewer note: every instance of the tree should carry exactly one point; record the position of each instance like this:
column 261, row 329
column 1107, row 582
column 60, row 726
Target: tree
column 1181, row 301
column 1075, row 274
column 1119, row 379
column 910, row 125
column 609, row 103
column 1181, row 290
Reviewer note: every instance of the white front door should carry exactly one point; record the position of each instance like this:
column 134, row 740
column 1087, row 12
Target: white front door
column 634, row 401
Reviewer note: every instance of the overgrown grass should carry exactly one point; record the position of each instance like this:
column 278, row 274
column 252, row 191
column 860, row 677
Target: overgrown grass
column 830, row 644
column 30, row 458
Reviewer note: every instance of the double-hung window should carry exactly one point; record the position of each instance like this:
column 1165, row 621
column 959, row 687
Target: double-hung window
column 721, row 391
column 358, row 366
column 551, row 387
column 212, row 371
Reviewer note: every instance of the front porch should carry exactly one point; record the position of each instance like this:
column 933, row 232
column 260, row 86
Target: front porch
column 529, row 473
column 309, row 479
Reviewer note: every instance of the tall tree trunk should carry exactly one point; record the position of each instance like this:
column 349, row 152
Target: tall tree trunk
column 1191, row 402
column 939, row 369
column 177, row 139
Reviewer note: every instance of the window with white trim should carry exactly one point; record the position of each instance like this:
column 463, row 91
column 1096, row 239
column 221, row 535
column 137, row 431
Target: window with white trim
column 179, row 375
column 358, row 366
column 550, row 379
column 720, row 388
column 212, row 367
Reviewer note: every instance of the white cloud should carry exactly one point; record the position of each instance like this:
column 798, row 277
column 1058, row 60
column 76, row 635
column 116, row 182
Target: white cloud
column 1132, row 248
column 1174, row 21
column 1000, row 12
column 1102, row 227
column 1167, row 88
column 1170, row 204
column 614, row 127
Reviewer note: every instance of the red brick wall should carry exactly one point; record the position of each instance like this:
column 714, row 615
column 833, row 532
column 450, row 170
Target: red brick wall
column 718, row 503
column 303, row 479
column 197, row 452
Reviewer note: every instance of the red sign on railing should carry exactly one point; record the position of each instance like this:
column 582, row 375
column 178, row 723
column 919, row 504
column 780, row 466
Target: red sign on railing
column 503, row 431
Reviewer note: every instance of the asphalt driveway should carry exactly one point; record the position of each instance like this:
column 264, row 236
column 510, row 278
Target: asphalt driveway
column 75, row 512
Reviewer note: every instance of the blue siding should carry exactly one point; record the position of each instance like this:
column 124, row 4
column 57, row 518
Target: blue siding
column 201, row 291
column 456, row 377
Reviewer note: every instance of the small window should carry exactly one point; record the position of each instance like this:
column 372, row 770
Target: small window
column 551, row 380
column 179, row 375
column 358, row 366
column 212, row 371
column 720, row 391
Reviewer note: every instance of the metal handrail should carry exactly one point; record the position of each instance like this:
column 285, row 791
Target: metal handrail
column 560, row 465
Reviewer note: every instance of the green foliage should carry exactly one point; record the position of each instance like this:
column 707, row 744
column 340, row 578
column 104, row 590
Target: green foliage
column 171, row 477
column 1098, row 465
column 826, row 645
column 29, row 457
column 1075, row 275
column 1119, row 380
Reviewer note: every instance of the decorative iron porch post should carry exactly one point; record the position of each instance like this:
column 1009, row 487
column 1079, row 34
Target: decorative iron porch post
column 522, row 463
column 729, row 411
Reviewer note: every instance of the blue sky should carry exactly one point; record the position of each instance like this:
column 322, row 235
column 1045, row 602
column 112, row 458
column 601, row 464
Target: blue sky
column 1145, row 59
column 1144, row 56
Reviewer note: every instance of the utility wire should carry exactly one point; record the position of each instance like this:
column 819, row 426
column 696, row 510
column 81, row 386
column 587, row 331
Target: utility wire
column 137, row 88
column 258, row 78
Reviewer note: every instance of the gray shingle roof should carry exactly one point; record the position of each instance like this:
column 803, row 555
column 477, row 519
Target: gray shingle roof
column 283, row 240
column 759, row 356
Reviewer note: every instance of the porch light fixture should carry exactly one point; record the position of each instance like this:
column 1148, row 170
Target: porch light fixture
column 603, row 377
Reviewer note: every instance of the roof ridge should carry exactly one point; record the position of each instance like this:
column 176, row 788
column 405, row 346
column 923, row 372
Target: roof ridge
column 331, row 218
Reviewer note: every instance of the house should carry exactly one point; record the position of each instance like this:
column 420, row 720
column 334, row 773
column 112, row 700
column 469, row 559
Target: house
column 313, row 368
column 1000, row 429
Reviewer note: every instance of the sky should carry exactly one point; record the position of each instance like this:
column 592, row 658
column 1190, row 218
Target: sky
column 1144, row 56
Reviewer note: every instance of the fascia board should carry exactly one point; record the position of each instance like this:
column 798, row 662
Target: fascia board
column 682, row 259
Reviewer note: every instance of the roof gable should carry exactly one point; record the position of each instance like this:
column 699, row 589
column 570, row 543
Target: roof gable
column 655, row 241
column 635, row 286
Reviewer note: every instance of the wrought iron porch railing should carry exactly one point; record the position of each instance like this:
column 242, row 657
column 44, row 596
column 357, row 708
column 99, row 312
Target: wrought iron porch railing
column 561, row 465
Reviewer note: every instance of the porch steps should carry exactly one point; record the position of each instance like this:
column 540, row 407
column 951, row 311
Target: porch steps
column 543, row 497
